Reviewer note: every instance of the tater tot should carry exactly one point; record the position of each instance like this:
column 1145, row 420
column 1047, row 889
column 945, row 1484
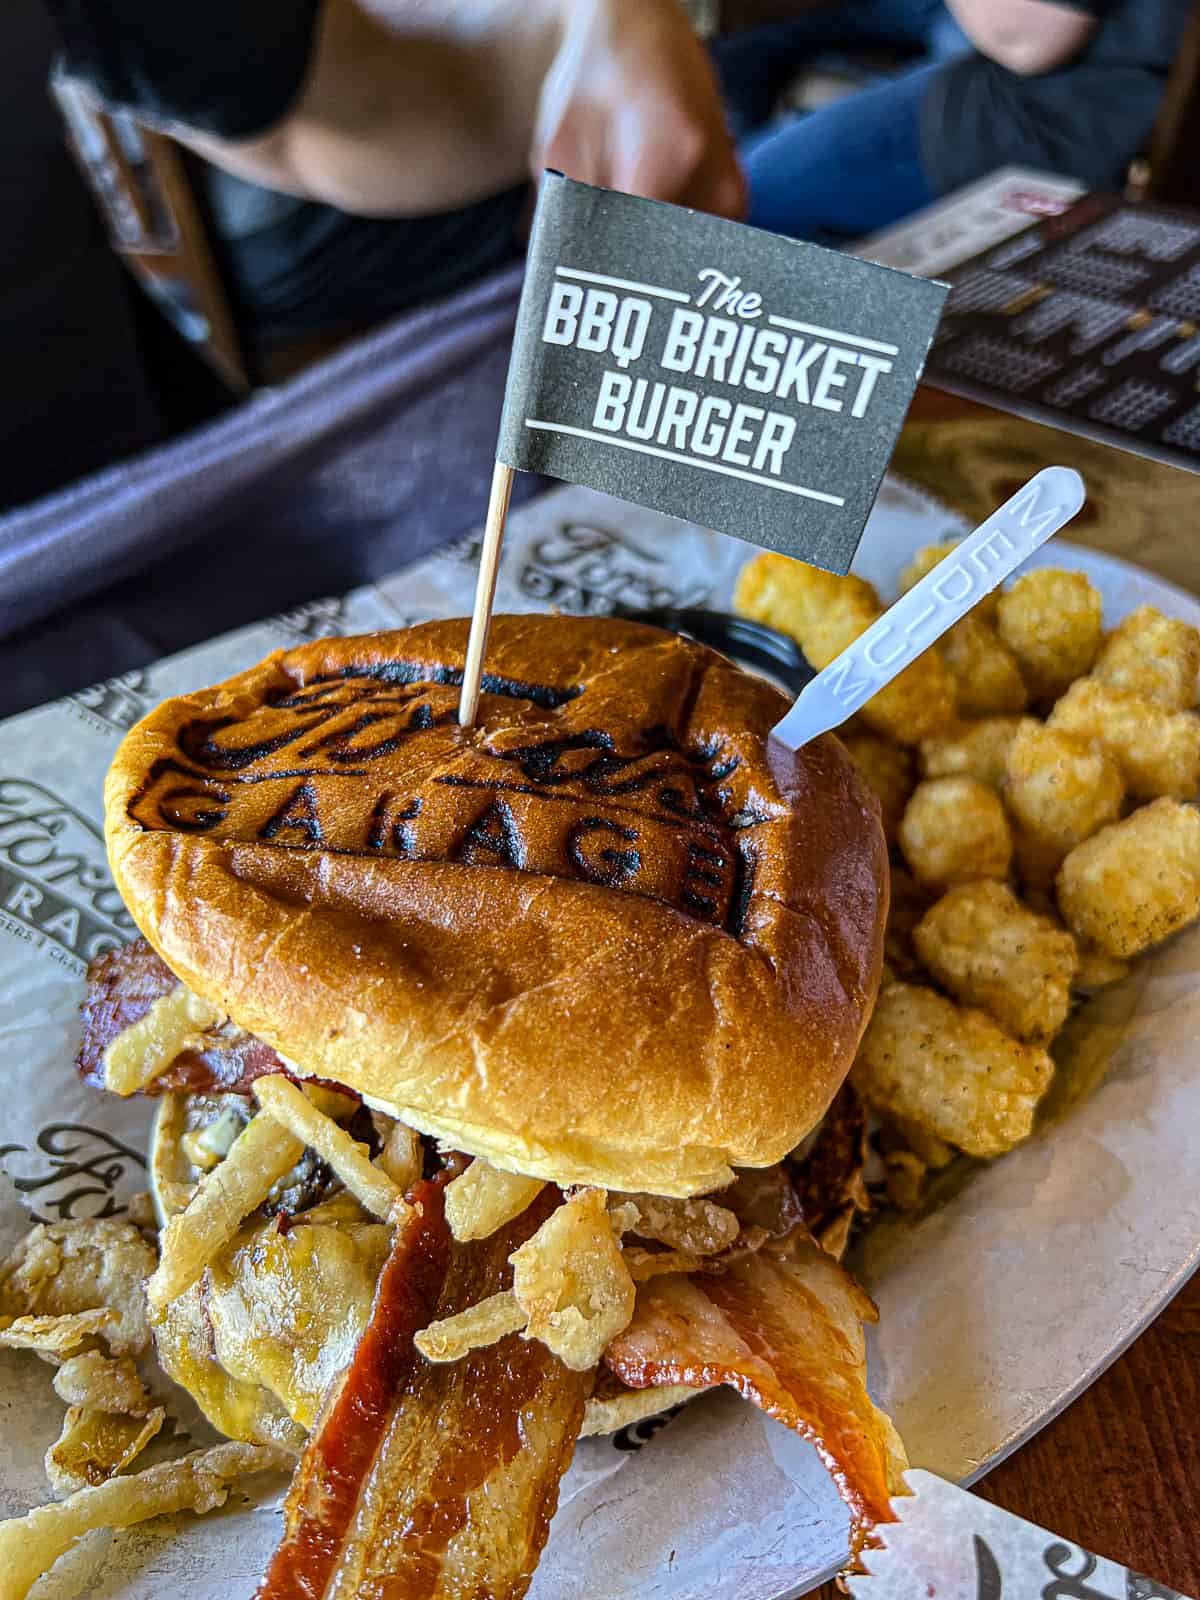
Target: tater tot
column 918, row 702
column 888, row 768
column 802, row 600
column 1135, row 882
column 977, row 749
column 954, row 830
column 1060, row 789
column 1051, row 621
column 987, row 680
column 1153, row 656
column 824, row 614
column 950, row 1070
column 923, row 563
column 1157, row 751
column 988, row 950
column 908, row 1154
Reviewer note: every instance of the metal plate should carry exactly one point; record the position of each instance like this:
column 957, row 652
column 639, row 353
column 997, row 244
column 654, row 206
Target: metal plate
column 1012, row 1290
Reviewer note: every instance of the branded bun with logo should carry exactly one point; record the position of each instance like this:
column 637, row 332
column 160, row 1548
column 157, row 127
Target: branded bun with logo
column 496, row 1069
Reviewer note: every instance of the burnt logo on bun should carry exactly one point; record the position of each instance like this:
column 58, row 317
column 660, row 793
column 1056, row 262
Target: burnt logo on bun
column 371, row 762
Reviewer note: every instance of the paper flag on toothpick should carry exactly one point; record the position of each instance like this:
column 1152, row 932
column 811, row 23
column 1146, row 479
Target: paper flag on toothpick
column 945, row 595
column 745, row 381
column 950, row 1545
column 750, row 383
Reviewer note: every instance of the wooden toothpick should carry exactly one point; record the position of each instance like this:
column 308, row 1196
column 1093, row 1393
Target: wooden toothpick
column 485, row 593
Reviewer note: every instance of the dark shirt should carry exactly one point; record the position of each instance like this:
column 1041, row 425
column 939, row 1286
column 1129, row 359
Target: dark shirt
column 228, row 67
column 294, row 268
column 1087, row 119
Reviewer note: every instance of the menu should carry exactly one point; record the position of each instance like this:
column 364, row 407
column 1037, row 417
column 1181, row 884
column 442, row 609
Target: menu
column 951, row 230
column 1089, row 321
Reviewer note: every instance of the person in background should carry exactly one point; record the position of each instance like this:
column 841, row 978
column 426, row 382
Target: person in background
column 1071, row 88
column 368, row 155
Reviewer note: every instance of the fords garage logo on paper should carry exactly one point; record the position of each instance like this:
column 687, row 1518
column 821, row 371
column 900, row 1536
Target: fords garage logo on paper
column 55, row 890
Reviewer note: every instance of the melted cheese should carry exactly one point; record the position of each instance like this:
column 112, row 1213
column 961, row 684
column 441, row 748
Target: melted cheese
column 236, row 1409
column 277, row 1316
column 174, row 1023
column 287, row 1309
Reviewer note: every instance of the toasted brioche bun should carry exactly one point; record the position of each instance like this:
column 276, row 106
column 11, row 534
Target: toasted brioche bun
column 598, row 938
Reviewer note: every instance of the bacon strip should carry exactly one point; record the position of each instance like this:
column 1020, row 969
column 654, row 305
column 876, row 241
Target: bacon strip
column 432, row 1482
column 784, row 1328
column 324, row 1493
column 122, row 985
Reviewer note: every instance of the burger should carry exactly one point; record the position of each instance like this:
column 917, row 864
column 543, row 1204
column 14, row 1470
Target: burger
column 500, row 1073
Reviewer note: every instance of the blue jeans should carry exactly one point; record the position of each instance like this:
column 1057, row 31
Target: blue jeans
column 852, row 166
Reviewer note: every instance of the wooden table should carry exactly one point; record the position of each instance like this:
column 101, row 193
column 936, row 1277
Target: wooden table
column 1119, row 1470
column 972, row 458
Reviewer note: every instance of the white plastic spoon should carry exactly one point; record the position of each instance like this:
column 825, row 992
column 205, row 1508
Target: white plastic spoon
column 984, row 559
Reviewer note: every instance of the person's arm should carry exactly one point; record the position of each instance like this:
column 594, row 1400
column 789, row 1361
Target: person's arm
column 1026, row 36
column 408, row 107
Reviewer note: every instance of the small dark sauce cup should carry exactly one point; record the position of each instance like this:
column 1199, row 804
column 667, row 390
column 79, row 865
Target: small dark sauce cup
column 750, row 644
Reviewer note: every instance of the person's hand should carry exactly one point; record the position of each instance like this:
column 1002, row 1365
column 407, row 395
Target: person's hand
column 631, row 103
column 410, row 107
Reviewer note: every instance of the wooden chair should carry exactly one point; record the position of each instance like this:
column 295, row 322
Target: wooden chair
column 145, row 193
column 1170, row 170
